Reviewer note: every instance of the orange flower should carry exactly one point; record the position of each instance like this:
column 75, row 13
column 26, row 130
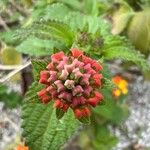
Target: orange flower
column 21, row 147
column 122, row 86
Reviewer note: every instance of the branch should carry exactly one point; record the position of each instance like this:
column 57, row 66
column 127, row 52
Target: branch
column 3, row 24
column 7, row 77
column 18, row 8
column 9, row 67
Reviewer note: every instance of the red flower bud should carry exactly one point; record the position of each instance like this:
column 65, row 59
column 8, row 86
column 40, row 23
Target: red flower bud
column 65, row 107
column 44, row 75
column 97, row 79
column 97, row 66
column 58, row 104
column 58, row 56
column 76, row 52
column 45, row 98
column 78, row 113
column 86, row 112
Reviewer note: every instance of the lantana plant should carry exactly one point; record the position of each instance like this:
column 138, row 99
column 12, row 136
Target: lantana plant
column 72, row 86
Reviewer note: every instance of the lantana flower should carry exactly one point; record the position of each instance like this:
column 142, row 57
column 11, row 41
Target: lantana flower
column 22, row 147
column 72, row 81
column 121, row 86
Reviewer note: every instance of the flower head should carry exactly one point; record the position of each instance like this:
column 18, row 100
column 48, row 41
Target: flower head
column 121, row 86
column 72, row 82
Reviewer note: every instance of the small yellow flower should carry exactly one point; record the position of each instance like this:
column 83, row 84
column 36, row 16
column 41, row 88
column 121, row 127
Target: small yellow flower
column 122, row 86
column 116, row 92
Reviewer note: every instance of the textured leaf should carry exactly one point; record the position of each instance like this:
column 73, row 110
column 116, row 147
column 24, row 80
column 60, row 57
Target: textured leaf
column 78, row 21
column 56, row 11
column 119, row 47
column 91, row 7
column 42, row 130
column 85, row 120
column 59, row 113
column 43, row 37
column 39, row 47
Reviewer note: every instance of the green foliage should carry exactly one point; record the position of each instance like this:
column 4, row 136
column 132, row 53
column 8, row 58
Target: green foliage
column 120, row 47
column 38, row 35
column 11, row 99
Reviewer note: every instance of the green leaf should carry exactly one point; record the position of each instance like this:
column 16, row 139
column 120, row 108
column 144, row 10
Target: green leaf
column 59, row 113
column 85, row 120
column 42, row 130
column 91, row 7
column 119, row 47
column 56, row 11
column 78, row 21
column 39, row 47
column 42, row 37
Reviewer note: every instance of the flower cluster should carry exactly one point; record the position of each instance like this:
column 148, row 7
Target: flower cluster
column 122, row 86
column 72, row 81
column 22, row 147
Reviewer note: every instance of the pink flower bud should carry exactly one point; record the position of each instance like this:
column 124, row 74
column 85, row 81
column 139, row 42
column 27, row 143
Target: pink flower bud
column 77, row 90
column 64, row 74
column 66, row 96
column 78, row 101
column 87, row 91
column 65, row 59
column 59, row 85
column 85, row 79
column 53, row 76
column 78, row 63
column 69, row 68
column 77, row 73
column 61, row 65
column 69, row 84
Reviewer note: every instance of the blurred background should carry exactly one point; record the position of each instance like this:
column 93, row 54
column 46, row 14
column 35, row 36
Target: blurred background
column 126, row 123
